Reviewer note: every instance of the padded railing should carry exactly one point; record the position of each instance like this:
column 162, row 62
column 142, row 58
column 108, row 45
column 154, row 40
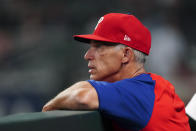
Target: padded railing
column 53, row 121
column 60, row 121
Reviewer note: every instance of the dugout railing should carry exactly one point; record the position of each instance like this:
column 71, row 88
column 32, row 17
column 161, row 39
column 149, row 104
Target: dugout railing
column 60, row 121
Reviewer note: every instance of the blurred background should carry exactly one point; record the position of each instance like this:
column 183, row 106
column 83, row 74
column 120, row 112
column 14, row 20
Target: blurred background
column 39, row 58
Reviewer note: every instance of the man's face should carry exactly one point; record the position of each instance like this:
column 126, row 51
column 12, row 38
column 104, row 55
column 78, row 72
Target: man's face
column 104, row 61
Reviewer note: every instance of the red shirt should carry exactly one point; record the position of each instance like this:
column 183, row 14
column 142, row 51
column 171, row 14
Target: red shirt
column 146, row 102
column 169, row 110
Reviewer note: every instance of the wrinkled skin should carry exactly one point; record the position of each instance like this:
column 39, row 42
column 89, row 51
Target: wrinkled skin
column 103, row 61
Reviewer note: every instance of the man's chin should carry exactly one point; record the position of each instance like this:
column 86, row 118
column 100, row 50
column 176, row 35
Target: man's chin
column 93, row 77
column 106, row 79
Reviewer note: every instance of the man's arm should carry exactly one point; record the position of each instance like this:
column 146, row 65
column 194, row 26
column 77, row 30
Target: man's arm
column 79, row 96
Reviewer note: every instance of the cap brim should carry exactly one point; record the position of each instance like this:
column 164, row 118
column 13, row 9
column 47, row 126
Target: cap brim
column 87, row 38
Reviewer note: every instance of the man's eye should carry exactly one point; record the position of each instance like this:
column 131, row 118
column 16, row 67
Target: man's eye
column 98, row 45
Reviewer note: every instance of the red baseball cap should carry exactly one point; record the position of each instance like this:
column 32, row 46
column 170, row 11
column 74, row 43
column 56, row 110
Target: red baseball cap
column 120, row 28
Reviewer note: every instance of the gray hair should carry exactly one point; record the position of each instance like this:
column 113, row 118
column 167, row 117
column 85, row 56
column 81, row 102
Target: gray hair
column 140, row 57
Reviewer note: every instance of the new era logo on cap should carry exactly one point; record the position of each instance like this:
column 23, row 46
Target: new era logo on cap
column 127, row 38
column 120, row 28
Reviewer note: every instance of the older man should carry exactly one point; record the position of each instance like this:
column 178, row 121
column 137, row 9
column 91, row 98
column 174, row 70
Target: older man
column 119, row 87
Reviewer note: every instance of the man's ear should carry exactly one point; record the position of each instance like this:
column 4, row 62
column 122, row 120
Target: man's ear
column 127, row 55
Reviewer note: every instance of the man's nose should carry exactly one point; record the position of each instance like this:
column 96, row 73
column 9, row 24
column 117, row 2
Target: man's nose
column 89, row 54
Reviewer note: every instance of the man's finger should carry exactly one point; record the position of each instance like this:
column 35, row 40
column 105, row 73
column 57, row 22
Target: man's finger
column 48, row 106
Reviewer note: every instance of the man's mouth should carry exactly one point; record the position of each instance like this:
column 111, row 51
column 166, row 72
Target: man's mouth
column 91, row 69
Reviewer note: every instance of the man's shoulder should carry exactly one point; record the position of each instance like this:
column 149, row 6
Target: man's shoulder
column 160, row 80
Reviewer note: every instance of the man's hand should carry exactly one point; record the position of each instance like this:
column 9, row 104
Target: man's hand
column 79, row 96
